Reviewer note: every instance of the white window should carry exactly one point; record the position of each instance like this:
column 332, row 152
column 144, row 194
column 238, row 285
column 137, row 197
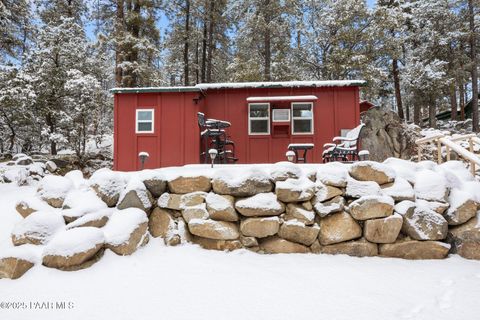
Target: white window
column 302, row 118
column 144, row 121
column 258, row 118
column 280, row 115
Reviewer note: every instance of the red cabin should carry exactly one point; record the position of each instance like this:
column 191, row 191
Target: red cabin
column 265, row 118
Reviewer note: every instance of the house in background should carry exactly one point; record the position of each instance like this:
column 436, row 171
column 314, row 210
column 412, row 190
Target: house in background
column 265, row 118
column 447, row 114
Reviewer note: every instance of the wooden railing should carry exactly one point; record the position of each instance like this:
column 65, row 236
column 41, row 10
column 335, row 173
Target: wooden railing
column 452, row 143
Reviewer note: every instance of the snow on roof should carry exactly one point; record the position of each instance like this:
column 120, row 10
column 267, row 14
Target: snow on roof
column 282, row 98
column 239, row 85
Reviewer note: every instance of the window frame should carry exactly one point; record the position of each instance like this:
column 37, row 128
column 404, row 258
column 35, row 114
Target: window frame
column 137, row 121
column 312, row 131
column 250, row 133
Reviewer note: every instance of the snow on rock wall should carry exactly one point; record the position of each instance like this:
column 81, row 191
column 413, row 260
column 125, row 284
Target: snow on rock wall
column 395, row 209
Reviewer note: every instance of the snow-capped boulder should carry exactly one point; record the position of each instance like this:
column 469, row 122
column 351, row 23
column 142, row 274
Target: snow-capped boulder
column 179, row 201
column 212, row 229
column 424, row 224
column 221, row 207
column 371, row 207
column 14, row 262
column 126, row 231
column 135, row 195
column 357, row 189
column 296, row 211
column 333, row 174
column 279, row 245
column 404, row 207
column 354, row 248
column 403, row 168
column 79, row 202
column 413, row 249
column 221, row 245
column 74, row 249
column 51, row 166
column 325, row 192
column 155, row 182
column 181, row 185
column 372, row 171
column 383, row 230
column 248, row 242
column 76, row 176
column 24, row 161
column 54, row 189
column 31, row 205
column 284, row 170
column 462, row 207
column 161, row 222
column 18, row 156
column 297, row 231
column 262, row 204
column 438, row 207
column 338, row 227
column 400, row 190
column 95, row 219
column 108, row 185
column 37, row 228
column 295, row 190
column 465, row 239
column 240, row 183
column 260, row 227
column 430, row 186
column 336, row 204
column 195, row 212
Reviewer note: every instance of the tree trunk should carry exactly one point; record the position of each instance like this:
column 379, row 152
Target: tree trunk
column 398, row 94
column 185, row 44
column 197, row 61
column 118, row 49
column 210, row 42
column 461, row 93
column 267, row 59
column 453, row 101
column 416, row 113
column 431, row 115
column 474, row 72
column 204, row 43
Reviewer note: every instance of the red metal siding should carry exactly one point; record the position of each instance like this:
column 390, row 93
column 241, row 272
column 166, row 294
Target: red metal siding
column 175, row 140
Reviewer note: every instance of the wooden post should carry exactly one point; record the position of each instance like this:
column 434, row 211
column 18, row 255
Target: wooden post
column 439, row 152
column 448, row 153
column 472, row 164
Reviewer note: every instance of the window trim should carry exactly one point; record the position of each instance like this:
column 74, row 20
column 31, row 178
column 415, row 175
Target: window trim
column 312, row 131
column 289, row 115
column 262, row 118
column 137, row 121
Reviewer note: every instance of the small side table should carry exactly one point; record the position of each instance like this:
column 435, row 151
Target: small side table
column 298, row 147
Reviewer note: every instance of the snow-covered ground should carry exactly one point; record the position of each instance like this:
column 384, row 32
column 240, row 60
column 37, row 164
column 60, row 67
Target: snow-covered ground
column 186, row 282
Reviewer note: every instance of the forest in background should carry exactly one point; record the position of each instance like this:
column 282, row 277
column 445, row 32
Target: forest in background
column 59, row 58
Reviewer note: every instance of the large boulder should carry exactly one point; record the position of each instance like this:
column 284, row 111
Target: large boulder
column 37, row 228
column 333, row 174
column 126, row 231
column 262, row 204
column 221, row 207
column 221, row 245
column 30, row 205
column 336, row 204
column 96, row 219
column 154, row 181
column 284, row 170
column 400, row 190
column 325, row 192
column 135, row 195
column 195, row 212
column 383, row 230
column 53, row 190
column 385, row 135
column 413, row 249
column 161, row 222
column 179, row 201
column 212, row 229
column 462, row 207
column 357, row 189
column 338, row 227
column 354, row 248
column 242, row 183
column 79, row 202
column 279, row 245
column 15, row 262
column 74, row 249
column 430, row 186
column 297, row 231
column 295, row 190
column 465, row 239
column 108, row 185
column 424, row 224
column 298, row 212
column 260, row 227
column 372, row 171
column 371, row 207
column 188, row 184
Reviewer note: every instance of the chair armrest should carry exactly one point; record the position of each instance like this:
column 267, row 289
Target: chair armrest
column 327, row 145
column 344, row 139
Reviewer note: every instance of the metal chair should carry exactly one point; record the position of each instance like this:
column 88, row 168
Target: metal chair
column 344, row 148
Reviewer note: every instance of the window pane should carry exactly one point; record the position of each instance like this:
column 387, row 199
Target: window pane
column 144, row 115
column 259, row 126
column 281, row 114
column 302, row 110
column 144, row 126
column 258, row 110
column 302, row 126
